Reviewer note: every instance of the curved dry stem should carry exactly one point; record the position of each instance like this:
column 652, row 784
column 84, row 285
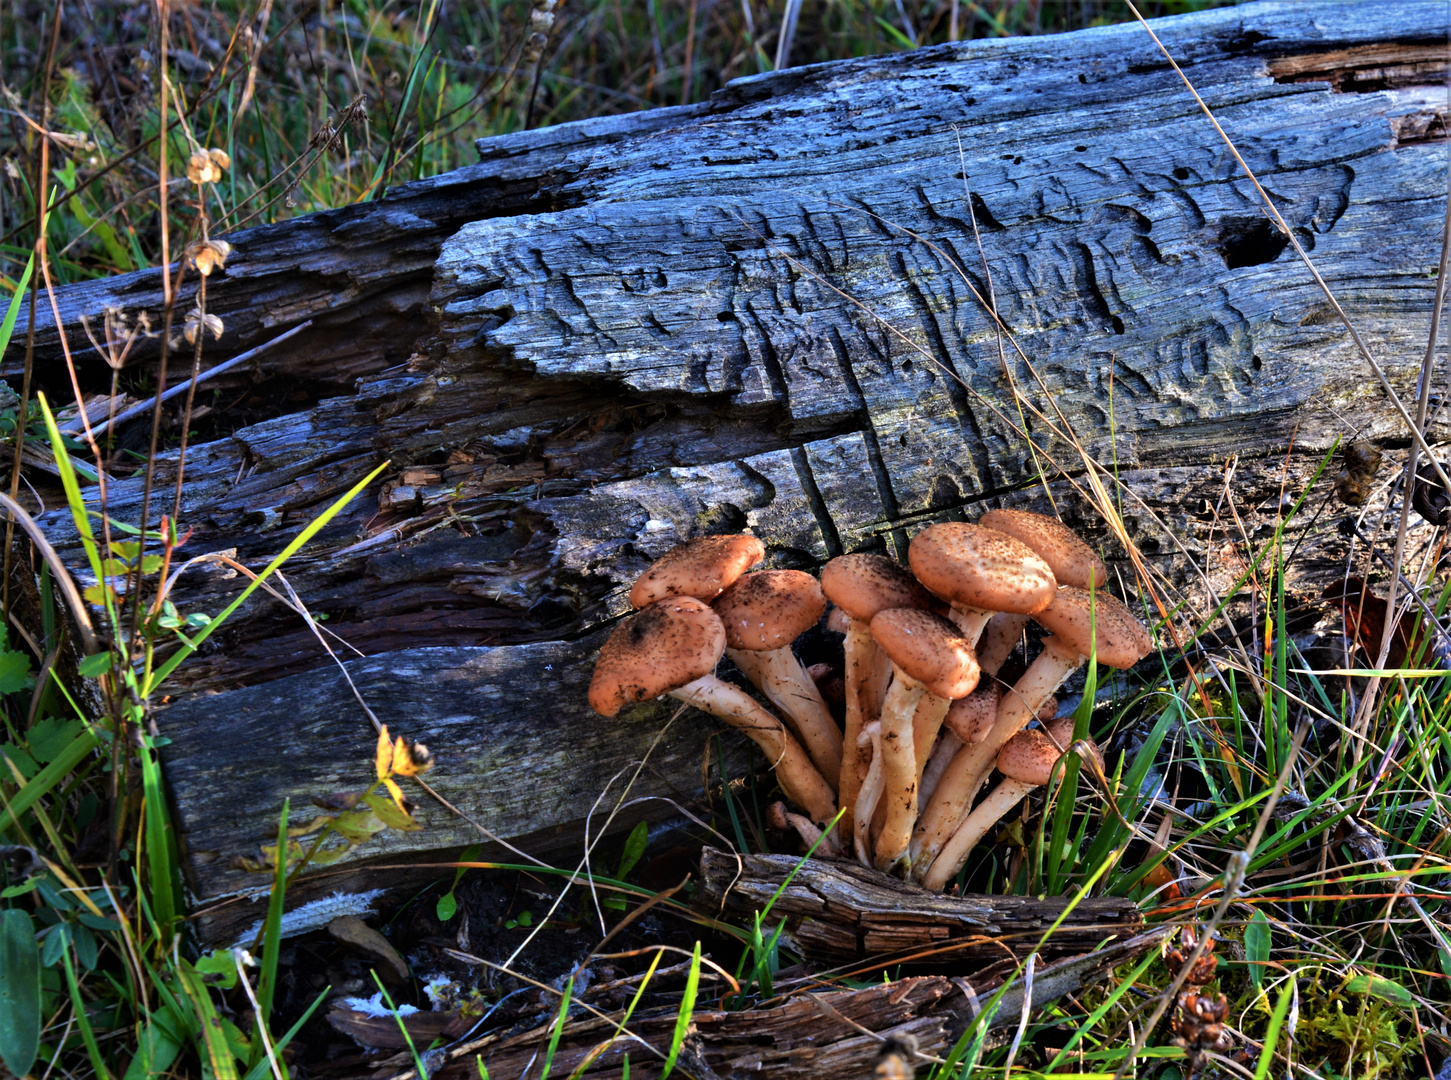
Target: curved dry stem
column 58, row 573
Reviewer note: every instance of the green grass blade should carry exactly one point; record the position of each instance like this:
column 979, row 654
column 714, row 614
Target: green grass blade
column 263, row 1067
column 1272, row 1033
column 53, row 774
column 212, row 1037
column 1124, row 986
column 313, row 528
column 271, row 936
column 160, row 843
column 558, row 1030
column 74, row 502
column 78, row 1007
column 13, row 312
column 687, row 1011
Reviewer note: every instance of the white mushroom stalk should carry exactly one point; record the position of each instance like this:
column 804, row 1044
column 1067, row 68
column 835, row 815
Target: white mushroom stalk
column 861, row 585
column 870, row 793
column 928, row 656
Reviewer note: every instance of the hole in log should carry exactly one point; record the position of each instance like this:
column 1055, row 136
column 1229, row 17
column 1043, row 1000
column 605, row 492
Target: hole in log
column 1249, row 241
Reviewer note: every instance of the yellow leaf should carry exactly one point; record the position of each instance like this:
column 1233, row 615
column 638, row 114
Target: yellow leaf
column 385, row 753
column 397, row 794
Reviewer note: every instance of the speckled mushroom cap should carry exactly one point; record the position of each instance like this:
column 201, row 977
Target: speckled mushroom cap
column 981, row 568
column 864, row 584
column 1073, row 561
column 659, row 648
column 703, row 568
column 1122, row 640
column 1028, row 757
column 929, row 649
column 971, row 718
column 1060, row 729
column 769, row 609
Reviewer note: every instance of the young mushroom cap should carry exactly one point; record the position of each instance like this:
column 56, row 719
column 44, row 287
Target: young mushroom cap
column 1097, row 622
column 1073, row 561
column 764, row 613
column 658, row 649
column 702, row 568
column 929, row 649
column 980, row 568
column 1029, row 757
column 672, row 647
column 769, row 609
column 971, row 717
column 864, row 584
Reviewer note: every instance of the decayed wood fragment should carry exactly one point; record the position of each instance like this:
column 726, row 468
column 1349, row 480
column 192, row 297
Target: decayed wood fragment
column 839, row 911
column 609, row 336
column 811, row 1035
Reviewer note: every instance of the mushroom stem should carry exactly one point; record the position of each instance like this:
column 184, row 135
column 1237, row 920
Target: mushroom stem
column 871, row 791
column 812, row 838
column 926, row 723
column 971, row 621
column 947, row 748
column 861, row 653
column 798, row 778
column 784, row 680
column 1004, row 631
column 959, row 784
column 954, row 853
column 899, row 770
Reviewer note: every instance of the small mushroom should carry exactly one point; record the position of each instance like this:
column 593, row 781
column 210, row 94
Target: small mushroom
column 861, row 585
column 672, row 647
column 1026, row 762
column 763, row 613
column 980, row 571
column 1121, row 642
column 968, row 721
column 812, row 839
column 928, row 656
column 703, row 568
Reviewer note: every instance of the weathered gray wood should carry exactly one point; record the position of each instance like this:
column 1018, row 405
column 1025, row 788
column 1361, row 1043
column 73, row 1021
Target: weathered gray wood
column 810, row 1035
column 837, row 912
column 641, row 329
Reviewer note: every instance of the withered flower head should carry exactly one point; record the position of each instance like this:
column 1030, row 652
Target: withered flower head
column 201, row 169
column 208, row 255
column 198, row 322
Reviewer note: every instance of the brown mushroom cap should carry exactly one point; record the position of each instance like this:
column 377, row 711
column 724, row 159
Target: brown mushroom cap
column 702, row 568
column 769, row 609
column 1073, row 561
column 1028, row 757
column 929, row 649
column 971, row 718
column 662, row 647
column 1120, row 638
column 981, row 568
column 864, row 584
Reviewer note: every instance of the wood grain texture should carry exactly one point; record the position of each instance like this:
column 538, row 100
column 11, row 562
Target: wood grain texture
column 837, row 912
column 610, row 336
column 810, row 1035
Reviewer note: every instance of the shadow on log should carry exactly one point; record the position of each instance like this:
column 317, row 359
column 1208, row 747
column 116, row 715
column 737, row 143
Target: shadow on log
column 613, row 335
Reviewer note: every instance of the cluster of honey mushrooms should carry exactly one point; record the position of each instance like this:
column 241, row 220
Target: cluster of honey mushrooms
column 923, row 727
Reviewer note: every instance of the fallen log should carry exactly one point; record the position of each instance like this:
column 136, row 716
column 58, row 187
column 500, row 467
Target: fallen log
column 810, row 1035
column 836, row 912
column 612, row 335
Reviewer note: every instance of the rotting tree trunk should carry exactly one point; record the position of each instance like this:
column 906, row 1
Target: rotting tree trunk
column 836, row 912
column 612, row 335
column 811, row 1035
